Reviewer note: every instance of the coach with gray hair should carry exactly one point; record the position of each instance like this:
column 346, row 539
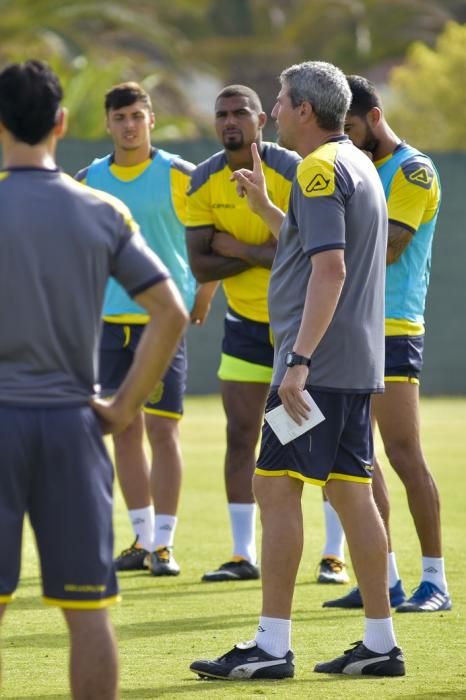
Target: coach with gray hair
column 326, row 303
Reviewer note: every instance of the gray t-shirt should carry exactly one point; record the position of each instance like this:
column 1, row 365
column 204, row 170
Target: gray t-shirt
column 337, row 201
column 60, row 241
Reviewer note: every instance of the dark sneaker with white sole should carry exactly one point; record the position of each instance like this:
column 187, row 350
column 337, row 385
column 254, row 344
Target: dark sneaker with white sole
column 235, row 570
column 360, row 661
column 162, row 562
column 353, row 599
column 246, row 661
column 332, row 570
column 426, row 598
column 132, row 558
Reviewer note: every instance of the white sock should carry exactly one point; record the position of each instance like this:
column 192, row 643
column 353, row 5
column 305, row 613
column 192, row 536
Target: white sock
column 334, row 533
column 243, row 526
column 379, row 635
column 393, row 575
column 433, row 570
column 274, row 636
column 164, row 530
column 142, row 520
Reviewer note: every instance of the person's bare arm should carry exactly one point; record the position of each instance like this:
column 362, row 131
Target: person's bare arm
column 322, row 295
column 398, row 239
column 206, row 265
column 260, row 255
column 251, row 184
column 168, row 318
column 202, row 302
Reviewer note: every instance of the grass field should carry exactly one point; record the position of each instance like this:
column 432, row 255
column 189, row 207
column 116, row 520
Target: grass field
column 162, row 625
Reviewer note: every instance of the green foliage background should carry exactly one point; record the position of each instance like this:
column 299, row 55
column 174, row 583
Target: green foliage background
column 169, row 45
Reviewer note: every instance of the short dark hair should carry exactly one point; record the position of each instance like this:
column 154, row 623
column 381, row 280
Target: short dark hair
column 126, row 94
column 242, row 91
column 30, row 96
column 364, row 96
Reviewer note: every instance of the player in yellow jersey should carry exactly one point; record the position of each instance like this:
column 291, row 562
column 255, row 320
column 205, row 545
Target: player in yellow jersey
column 153, row 184
column 227, row 242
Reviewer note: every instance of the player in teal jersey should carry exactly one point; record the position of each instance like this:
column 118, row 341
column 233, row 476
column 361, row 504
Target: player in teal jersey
column 412, row 190
column 153, row 184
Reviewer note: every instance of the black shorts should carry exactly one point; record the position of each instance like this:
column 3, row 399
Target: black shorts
column 403, row 358
column 247, row 350
column 340, row 447
column 117, row 348
column 55, row 467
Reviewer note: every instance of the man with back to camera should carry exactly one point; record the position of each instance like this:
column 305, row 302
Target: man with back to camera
column 60, row 244
column 326, row 302
column 412, row 190
column 227, row 242
column 153, row 184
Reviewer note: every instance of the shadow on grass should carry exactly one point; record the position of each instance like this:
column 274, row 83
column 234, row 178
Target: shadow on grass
column 35, row 641
column 203, row 589
column 174, row 626
column 51, row 696
column 193, row 685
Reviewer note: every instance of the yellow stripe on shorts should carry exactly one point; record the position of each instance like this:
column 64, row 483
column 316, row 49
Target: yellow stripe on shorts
column 401, row 380
column 232, row 369
column 82, row 604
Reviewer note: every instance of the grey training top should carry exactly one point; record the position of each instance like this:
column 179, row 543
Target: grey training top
column 60, row 241
column 337, row 201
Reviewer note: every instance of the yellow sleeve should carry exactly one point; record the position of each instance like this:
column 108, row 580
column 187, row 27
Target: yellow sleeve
column 414, row 196
column 179, row 182
column 198, row 209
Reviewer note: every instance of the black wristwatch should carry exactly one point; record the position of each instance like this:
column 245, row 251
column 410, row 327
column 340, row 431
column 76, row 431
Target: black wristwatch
column 292, row 359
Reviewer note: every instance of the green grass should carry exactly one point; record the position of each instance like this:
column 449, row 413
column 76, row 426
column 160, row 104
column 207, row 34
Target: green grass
column 162, row 625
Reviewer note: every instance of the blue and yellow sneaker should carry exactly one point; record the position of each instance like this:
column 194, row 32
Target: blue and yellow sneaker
column 353, row 598
column 427, row 597
column 332, row 570
column 132, row 558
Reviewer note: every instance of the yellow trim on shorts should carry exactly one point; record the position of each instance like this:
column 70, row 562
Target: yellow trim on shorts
column 82, row 604
column 136, row 319
column 409, row 380
column 233, row 369
column 4, row 599
column 164, row 414
column 308, row 480
column 401, row 326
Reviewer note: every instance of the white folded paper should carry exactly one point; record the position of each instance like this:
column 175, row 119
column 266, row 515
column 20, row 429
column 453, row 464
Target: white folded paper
column 285, row 428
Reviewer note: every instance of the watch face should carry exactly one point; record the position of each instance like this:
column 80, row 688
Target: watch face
column 289, row 359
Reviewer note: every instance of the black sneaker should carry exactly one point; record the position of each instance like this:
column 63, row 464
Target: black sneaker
column 240, row 570
column 353, row 599
column 246, row 661
column 162, row 563
column 360, row 661
column 131, row 559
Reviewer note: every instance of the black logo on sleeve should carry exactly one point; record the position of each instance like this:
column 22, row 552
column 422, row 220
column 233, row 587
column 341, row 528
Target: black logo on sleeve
column 318, row 184
column 418, row 173
column 421, row 176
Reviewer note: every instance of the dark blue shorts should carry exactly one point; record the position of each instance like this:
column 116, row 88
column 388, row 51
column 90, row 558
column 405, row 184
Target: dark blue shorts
column 340, row 447
column 117, row 348
column 55, row 467
column 247, row 350
column 403, row 357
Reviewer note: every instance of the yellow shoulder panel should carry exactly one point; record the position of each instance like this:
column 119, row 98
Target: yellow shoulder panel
column 316, row 173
